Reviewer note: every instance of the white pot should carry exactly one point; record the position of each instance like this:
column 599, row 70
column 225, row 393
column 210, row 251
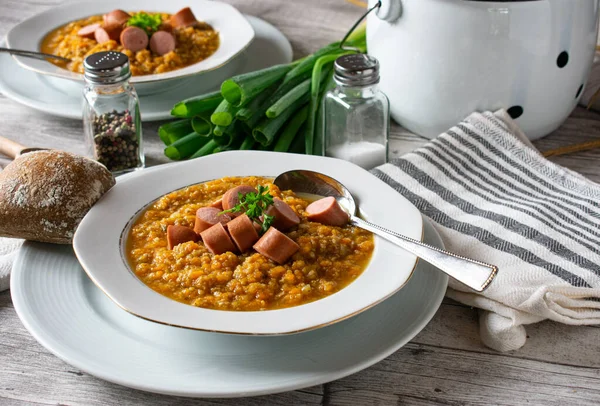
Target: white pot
column 443, row 59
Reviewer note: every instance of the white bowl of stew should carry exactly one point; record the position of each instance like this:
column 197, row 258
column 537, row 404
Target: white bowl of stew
column 122, row 246
column 221, row 34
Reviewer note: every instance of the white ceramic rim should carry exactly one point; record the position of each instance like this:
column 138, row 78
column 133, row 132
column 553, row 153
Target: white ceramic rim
column 235, row 33
column 99, row 248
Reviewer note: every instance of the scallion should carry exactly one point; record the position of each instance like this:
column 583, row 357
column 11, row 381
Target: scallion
column 260, row 113
column 223, row 114
column 219, row 130
column 246, row 112
column 202, row 125
column 186, row 146
column 240, row 89
column 315, row 99
column 290, row 97
column 206, row 149
column 171, row 132
column 248, row 143
column 193, row 106
column 266, row 130
column 297, row 146
column 307, row 64
column 291, row 130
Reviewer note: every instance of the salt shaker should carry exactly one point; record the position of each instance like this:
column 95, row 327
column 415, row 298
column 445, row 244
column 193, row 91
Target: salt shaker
column 111, row 113
column 355, row 112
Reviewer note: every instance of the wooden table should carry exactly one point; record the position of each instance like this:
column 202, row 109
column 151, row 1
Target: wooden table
column 445, row 364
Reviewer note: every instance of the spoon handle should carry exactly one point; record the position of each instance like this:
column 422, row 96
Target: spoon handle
column 475, row 274
column 32, row 54
column 10, row 148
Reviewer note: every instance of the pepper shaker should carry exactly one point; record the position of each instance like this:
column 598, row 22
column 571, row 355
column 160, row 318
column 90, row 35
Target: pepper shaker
column 111, row 113
column 355, row 114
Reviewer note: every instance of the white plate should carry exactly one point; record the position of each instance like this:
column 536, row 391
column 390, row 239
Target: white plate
column 99, row 243
column 270, row 47
column 73, row 319
column 234, row 30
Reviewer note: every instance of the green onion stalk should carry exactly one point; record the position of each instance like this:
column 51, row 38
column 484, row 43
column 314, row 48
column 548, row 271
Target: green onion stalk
column 202, row 125
column 315, row 100
column 186, row 146
column 267, row 129
column 171, row 132
column 240, row 89
column 196, row 105
column 291, row 129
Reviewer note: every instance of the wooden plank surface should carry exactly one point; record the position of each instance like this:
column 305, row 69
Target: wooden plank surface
column 445, row 364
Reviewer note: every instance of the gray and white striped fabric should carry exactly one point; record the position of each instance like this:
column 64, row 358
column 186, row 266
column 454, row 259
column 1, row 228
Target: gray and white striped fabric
column 493, row 197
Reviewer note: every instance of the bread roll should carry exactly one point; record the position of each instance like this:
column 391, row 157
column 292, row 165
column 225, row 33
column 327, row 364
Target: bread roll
column 45, row 194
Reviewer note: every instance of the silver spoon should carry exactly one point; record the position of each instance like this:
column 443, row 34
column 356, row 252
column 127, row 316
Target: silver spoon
column 475, row 274
column 32, row 54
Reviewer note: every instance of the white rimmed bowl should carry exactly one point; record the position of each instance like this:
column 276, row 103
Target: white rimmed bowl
column 100, row 238
column 235, row 33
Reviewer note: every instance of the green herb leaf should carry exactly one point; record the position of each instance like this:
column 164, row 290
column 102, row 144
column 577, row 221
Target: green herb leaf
column 147, row 22
column 267, row 221
column 255, row 205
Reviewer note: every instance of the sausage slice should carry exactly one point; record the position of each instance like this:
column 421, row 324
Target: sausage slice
column 179, row 234
column 88, row 31
column 183, row 18
column 218, row 204
column 108, row 32
column 162, row 42
column 116, row 17
column 276, row 246
column 231, row 197
column 217, row 240
column 242, row 232
column 134, row 38
column 327, row 211
column 165, row 26
column 206, row 217
column 285, row 217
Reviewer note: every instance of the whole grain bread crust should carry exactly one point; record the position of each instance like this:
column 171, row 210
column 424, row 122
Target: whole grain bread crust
column 44, row 195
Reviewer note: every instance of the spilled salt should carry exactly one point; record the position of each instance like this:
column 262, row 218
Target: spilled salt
column 364, row 154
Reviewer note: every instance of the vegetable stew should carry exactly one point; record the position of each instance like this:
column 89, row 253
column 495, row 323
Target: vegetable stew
column 154, row 42
column 239, row 243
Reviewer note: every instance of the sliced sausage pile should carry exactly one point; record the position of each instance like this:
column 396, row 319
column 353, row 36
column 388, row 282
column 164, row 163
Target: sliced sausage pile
column 232, row 231
column 114, row 28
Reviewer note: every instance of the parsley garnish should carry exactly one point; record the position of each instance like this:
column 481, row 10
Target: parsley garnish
column 255, row 205
column 267, row 221
column 147, row 22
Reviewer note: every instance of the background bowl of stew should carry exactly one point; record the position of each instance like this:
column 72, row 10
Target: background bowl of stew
column 234, row 30
column 100, row 245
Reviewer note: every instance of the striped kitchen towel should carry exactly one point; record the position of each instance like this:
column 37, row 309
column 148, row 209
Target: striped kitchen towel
column 494, row 198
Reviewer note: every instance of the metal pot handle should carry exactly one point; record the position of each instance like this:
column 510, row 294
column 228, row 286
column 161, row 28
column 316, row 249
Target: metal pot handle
column 387, row 10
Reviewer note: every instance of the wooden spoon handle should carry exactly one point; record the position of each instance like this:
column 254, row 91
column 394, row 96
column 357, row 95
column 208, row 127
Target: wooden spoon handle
column 10, row 148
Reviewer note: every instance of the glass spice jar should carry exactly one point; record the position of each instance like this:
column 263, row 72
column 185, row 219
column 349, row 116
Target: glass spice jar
column 355, row 119
column 111, row 113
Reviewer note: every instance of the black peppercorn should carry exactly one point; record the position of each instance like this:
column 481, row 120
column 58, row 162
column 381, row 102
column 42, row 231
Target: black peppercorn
column 116, row 141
